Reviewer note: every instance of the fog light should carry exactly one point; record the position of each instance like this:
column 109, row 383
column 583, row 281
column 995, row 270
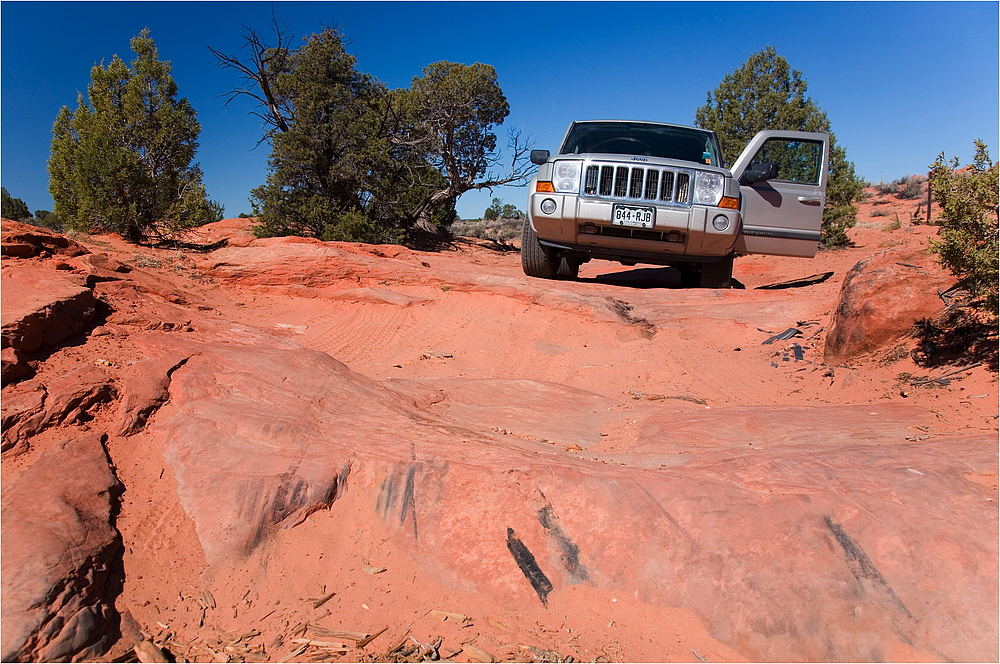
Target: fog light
column 721, row 222
column 548, row 206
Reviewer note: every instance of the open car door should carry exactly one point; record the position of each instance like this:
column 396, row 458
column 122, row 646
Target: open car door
column 782, row 177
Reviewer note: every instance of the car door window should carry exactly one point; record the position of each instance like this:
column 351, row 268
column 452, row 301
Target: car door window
column 798, row 161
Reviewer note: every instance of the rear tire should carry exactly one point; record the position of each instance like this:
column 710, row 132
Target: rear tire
column 536, row 260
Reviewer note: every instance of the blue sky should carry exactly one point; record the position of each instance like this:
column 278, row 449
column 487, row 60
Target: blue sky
column 899, row 81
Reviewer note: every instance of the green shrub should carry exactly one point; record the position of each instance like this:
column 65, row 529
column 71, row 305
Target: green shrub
column 967, row 243
column 353, row 226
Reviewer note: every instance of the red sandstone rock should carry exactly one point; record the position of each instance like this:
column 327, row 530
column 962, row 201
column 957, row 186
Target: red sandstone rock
column 882, row 297
column 25, row 241
column 15, row 365
column 43, row 307
column 255, row 452
column 561, row 456
column 31, row 408
column 61, row 556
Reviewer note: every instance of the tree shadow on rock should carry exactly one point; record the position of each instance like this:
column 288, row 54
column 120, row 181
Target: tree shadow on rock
column 956, row 337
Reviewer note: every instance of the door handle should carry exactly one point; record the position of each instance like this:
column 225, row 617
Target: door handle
column 810, row 200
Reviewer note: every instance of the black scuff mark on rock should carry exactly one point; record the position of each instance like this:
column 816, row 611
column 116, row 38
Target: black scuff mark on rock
column 291, row 501
column 569, row 551
column 409, row 506
column 871, row 579
column 529, row 566
column 390, row 491
column 623, row 310
column 386, row 496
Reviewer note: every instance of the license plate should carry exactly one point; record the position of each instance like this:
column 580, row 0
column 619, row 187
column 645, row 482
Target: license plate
column 636, row 216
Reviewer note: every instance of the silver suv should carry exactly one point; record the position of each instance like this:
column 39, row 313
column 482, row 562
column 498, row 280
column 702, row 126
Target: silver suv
column 649, row 192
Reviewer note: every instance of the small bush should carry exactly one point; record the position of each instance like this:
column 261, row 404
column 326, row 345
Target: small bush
column 837, row 220
column 894, row 225
column 884, row 188
column 968, row 244
column 909, row 188
column 501, row 231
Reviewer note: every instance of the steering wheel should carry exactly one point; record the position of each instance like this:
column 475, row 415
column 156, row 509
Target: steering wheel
column 622, row 139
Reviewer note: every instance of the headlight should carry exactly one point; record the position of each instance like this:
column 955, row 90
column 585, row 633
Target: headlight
column 708, row 188
column 548, row 206
column 566, row 177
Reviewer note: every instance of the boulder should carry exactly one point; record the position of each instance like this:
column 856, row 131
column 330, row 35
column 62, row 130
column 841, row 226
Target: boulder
column 881, row 299
column 98, row 267
column 61, row 555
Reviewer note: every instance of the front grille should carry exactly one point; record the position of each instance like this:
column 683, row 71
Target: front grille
column 640, row 183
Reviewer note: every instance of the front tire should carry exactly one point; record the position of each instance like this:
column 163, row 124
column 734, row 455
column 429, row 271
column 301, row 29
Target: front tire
column 536, row 260
column 717, row 275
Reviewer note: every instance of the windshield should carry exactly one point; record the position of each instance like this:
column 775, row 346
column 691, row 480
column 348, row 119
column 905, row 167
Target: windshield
column 642, row 139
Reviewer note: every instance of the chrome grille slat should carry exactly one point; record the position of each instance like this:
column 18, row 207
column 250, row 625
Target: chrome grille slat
column 683, row 185
column 607, row 178
column 667, row 192
column 621, row 181
column 652, row 184
column 590, row 181
column 635, row 183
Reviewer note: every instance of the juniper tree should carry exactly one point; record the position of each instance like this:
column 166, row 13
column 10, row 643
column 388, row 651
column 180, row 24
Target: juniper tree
column 351, row 159
column 122, row 161
column 13, row 208
column 968, row 242
column 452, row 110
column 766, row 93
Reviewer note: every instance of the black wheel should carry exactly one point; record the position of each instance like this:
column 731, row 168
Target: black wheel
column 536, row 260
column 717, row 275
column 709, row 275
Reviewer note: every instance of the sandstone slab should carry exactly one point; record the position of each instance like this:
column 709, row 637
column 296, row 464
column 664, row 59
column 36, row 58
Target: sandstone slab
column 60, row 574
column 743, row 537
column 31, row 407
column 42, row 307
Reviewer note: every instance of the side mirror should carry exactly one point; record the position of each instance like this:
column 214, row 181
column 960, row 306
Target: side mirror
column 539, row 157
column 759, row 173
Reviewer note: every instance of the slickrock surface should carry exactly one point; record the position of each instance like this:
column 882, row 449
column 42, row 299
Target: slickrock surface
column 285, row 449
